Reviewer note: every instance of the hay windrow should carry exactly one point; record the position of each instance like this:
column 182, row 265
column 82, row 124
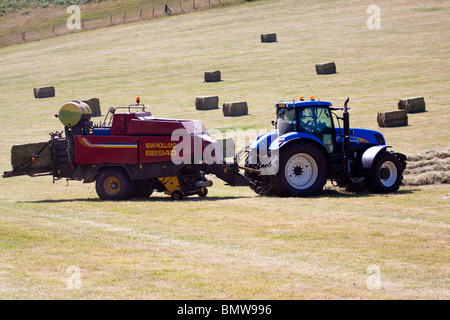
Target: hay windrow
column 428, row 167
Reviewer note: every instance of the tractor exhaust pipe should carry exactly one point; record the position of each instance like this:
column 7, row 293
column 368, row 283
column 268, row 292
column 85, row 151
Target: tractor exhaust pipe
column 347, row 156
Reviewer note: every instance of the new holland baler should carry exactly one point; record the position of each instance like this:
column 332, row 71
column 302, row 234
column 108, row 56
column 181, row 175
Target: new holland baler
column 130, row 154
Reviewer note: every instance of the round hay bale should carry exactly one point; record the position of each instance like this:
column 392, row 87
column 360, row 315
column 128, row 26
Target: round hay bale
column 234, row 109
column 207, row 103
column 213, row 76
column 269, row 37
column 327, row 68
column 412, row 105
column 44, row 92
column 392, row 118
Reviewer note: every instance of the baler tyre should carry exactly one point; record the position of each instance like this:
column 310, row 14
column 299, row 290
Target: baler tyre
column 387, row 174
column 114, row 184
column 142, row 191
column 177, row 195
column 203, row 192
column 302, row 170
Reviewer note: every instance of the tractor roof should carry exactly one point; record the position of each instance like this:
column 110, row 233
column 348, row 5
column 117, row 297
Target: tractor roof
column 302, row 103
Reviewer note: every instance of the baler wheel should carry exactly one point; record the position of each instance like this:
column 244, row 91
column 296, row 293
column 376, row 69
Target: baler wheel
column 177, row 195
column 114, row 184
column 203, row 192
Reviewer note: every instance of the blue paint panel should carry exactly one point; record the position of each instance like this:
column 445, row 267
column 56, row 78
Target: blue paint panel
column 282, row 140
column 360, row 136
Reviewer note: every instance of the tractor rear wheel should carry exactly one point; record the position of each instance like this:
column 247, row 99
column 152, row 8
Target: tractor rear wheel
column 114, row 184
column 302, row 170
column 387, row 174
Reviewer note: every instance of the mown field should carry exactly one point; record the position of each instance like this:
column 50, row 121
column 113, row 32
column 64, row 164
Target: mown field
column 233, row 244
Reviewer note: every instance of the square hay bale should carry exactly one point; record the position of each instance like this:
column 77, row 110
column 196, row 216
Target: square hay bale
column 94, row 104
column 44, row 92
column 207, row 103
column 392, row 118
column 412, row 105
column 327, row 68
column 213, row 76
column 235, row 109
column 269, row 37
column 21, row 156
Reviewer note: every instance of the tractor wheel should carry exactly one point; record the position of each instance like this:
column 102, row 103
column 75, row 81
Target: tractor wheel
column 114, row 184
column 387, row 174
column 177, row 195
column 302, row 170
column 203, row 192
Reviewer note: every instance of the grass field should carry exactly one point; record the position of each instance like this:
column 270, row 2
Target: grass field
column 233, row 244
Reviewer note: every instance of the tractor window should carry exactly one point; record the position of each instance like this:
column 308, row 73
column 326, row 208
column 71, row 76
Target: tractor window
column 285, row 121
column 317, row 121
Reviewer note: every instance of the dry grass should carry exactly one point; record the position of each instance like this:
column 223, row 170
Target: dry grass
column 42, row 23
column 428, row 167
column 233, row 244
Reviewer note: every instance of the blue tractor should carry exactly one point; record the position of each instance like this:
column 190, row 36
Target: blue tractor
column 308, row 148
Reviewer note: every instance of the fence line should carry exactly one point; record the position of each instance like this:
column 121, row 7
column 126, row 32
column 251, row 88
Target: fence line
column 114, row 19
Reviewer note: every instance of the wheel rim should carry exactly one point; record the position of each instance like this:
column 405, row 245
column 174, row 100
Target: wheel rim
column 301, row 171
column 112, row 186
column 388, row 174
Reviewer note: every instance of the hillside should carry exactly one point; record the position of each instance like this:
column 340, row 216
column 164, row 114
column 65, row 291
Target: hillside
column 24, row 21
column 232, row 244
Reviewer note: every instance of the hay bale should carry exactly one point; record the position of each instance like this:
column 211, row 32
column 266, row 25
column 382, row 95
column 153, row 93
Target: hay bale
column 269, row 37
column 44, row 92
column 21, row 156
column 412, row 105
column 392, row 118
column 327, row 68
column 94, row 104
column 207, row 103
column 213, row 76
column 234, row 109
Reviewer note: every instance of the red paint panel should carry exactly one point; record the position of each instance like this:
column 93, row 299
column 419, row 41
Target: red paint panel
column 153, row 126
column 154, row 149
column 106, row 149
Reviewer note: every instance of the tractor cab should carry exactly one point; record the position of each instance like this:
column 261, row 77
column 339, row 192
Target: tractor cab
column 309, row 117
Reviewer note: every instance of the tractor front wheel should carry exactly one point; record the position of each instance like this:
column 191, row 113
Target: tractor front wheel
column 387, row 174
column 114, row 184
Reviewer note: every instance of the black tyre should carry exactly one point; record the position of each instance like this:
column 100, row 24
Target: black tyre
column 114, row 184
column 177, row 195
column 302, row 170
column 203, row 192
column 387, row 174
column 142, row 191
